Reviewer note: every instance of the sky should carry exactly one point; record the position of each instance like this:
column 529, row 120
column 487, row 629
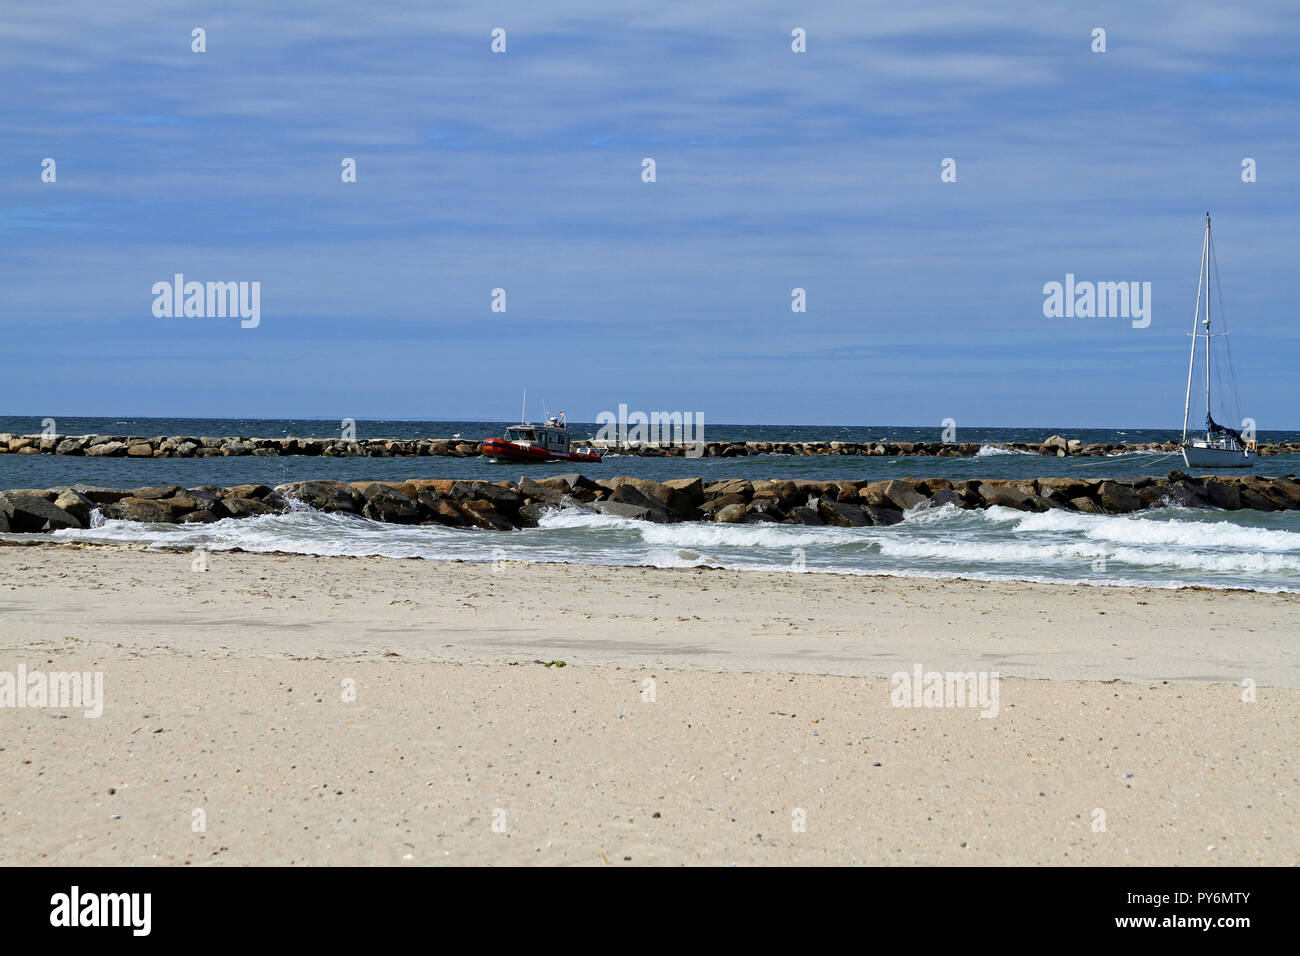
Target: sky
column 523, row 170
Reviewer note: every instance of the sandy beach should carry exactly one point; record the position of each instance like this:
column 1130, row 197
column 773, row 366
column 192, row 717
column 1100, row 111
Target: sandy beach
column 285, row 709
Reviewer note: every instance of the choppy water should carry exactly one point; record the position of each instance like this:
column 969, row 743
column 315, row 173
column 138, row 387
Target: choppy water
column 1166, row 548
column 475, row 430
column 45, row 471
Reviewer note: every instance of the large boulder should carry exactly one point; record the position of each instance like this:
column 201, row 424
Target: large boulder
column 441, row 510
column 766, row 508
column 201, row 500
column 1285, row 492
column 845, row 491
column 108, row 449
column 530, row 514
column 1182, row 493
column 573, row 485
column 76, row 504
column 1118, row 497
column 415, row 487
column 1223, row 494
column 26, row 513
column 257, row 492
column 682, row 500
column 157, row 492
column 382, row 503
column 621, row 510
column 731, row 514
column 707, row 510
column 729, row 486
column 802, row 514
column 806, row 491
column 1254, row 496
column 45, row 493
column 1008, row 496
column 841, row 513
column 481, row 513
column 505, row 500
column 656, row 510
column 540, row 493
column 882, row 515
column 788, row 494
column 200, row 517
column 1063, row 489
column 99, row 494
column 928, row 486
column 946, row 496
column 149, row 510
column 323, row 495
column 892, row 494
column 247, row 507
column 687, row 494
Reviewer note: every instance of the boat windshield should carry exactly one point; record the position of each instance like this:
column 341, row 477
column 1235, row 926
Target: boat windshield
column 521, row 433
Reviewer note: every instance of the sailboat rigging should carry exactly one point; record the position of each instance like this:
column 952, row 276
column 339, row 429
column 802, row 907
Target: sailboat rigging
column 1222, row 447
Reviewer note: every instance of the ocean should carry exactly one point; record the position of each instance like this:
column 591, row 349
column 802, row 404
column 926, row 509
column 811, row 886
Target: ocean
column 1171, row 547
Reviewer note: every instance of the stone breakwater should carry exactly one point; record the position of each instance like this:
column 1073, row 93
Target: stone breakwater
column 180, row 446
column 508, row 505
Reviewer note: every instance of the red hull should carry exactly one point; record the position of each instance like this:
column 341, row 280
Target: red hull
column 499, row 448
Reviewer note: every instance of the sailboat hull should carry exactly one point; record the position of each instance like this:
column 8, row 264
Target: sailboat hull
column 1200, row 456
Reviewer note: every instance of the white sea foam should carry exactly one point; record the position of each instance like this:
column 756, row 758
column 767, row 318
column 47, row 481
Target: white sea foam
column 700, row 534
column 298, row 532
column 580, row 518
column 1140, row 530
column 1030, row 554
column 988, row 552
column 1179, row 548
column 1221, row 562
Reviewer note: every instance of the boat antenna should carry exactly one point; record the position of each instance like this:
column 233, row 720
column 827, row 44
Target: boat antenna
column 523, row 410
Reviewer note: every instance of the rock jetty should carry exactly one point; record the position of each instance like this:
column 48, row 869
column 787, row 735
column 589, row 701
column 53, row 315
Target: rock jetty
column 508, row 505
column 184, row 446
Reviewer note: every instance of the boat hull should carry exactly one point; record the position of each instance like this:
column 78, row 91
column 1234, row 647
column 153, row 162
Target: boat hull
column 501, row 450
column 1196, row 456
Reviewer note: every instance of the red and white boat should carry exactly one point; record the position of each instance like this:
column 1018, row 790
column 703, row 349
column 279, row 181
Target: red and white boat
column 549, row 442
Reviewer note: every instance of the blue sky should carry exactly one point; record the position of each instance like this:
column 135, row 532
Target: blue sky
column 522, row 171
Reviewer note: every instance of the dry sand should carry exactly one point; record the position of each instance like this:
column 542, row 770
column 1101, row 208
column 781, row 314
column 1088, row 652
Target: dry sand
column 224, row 693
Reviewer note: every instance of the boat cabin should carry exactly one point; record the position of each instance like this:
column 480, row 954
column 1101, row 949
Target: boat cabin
column 552, row 437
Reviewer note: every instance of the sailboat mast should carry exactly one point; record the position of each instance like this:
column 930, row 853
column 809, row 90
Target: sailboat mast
column 1191, row 361
column 1209, row 247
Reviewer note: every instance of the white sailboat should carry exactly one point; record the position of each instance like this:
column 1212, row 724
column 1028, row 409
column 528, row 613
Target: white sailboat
column 1221, row 447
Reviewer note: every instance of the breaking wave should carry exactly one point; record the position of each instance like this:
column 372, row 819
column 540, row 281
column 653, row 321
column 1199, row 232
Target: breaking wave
column 1165, row 548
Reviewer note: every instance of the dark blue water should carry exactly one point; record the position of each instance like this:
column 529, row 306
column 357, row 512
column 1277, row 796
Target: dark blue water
column 328, row 428
column 1162, row 548
column 44, row 471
